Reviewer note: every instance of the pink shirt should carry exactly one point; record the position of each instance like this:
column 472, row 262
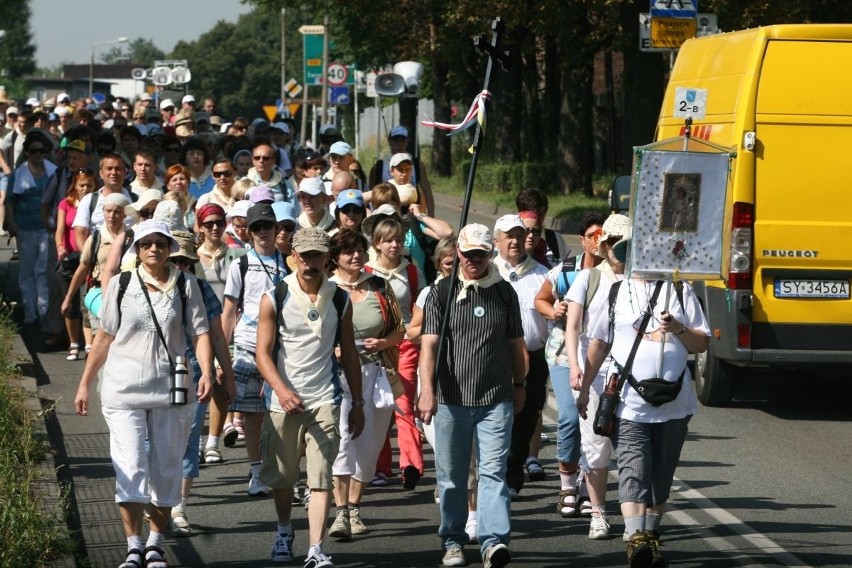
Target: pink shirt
column 69, row 242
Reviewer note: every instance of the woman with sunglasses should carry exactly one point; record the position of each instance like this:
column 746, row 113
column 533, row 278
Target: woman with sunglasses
column 148, row 426
column 350, row 210
column 223, row 175
column 23, row 214
column 82, row 183
column 378, row 330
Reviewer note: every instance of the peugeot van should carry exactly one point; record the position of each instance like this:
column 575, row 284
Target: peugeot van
column 781, row 97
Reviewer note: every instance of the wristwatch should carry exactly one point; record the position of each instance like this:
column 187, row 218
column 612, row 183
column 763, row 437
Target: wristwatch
column 359, row 402
column 683, row 329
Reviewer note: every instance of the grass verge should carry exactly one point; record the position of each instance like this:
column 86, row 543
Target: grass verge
column 31, row 535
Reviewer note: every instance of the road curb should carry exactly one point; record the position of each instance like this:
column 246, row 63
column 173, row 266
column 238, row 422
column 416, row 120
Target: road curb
column 564, row 226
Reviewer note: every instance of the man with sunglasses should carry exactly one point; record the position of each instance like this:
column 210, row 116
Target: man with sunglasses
column 526, row 276
column 248, row 278
column 473, row 395
column 265, row 172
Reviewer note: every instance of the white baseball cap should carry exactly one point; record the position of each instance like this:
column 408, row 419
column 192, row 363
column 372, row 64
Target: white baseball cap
column 508, row 222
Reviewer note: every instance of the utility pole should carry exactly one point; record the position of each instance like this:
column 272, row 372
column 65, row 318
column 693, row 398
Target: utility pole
column 324, row 111
column 283, row 54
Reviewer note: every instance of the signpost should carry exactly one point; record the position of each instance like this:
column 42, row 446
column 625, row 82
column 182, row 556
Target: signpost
column 670, row 33
column 674, row 8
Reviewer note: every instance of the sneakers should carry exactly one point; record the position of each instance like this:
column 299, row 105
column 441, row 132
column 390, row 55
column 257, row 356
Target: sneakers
column 241, row 434
column 282, row 548
column 179, row 525
column 306, row 500
column 297, row 494
column 657, row 560
column 341, row 527
column 496, row 556
column 454, row 557
column 639, row 553
column 599, row 527
column 356, row 525
column 257, row 488
column 534, row 469
column 410, row 477
column 318, row 560
column 229, row 435
column 471, row 528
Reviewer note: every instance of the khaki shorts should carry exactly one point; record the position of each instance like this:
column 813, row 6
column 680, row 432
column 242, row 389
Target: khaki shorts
column 280, row 436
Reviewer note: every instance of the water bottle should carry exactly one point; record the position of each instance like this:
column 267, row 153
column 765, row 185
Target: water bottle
column 178, row 390
column 604, row 422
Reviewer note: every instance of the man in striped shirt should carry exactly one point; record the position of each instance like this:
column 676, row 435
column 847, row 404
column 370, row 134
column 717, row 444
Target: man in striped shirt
column 480, row 386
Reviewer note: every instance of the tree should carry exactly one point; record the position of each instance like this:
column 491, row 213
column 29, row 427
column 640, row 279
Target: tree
column 17, row 52
column 140, row 50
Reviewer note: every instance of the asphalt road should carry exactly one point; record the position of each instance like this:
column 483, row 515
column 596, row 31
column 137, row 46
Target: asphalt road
column 761, row 483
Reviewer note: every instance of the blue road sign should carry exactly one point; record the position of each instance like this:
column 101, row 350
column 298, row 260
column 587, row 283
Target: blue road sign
column 674, row 8
column 338, row 95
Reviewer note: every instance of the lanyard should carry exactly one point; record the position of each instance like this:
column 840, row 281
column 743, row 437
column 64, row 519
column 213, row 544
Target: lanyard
column 276, row 275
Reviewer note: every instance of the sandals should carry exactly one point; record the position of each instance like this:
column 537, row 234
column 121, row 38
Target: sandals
column 133, row 560
column 229, row 435
column 238, row 426
column 567, row 504
column 584, row 503
column 86, row 351
column 155, row 557
column 73, row 352
column 179, row 525
column 534, row 469
column 212, row 455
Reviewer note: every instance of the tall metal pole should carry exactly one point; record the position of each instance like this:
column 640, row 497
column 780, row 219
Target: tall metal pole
column 493, row 51
column 324, row 112
column 283, row 54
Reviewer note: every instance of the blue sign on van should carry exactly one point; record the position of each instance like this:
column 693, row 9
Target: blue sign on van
column 674, row 8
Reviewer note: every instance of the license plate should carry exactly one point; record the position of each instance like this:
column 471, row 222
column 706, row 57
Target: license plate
column 833, row 289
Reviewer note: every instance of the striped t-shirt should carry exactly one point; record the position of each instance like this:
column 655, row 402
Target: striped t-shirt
column 477, row 365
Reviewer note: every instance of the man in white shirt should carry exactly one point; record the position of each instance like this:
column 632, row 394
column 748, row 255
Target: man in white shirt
column 526, row 277
column 90, row 217
column 145, row 168
column 303, row 325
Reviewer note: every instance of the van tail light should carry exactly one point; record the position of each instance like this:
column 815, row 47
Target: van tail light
column 742, row 236
column 743, row 335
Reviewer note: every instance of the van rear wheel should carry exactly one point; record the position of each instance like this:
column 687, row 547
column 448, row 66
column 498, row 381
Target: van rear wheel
column 714, row 379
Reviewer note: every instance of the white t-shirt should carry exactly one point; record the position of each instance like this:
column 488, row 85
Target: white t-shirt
column 305, row 361
column 81, row 219
column 527, row 287
column 599, row 305
column 632, row 300
column 263, row 273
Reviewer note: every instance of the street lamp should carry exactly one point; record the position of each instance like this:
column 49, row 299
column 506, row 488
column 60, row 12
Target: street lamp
column 92, row 60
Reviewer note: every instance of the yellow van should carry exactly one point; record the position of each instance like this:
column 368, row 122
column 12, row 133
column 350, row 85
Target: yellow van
column 782, row 97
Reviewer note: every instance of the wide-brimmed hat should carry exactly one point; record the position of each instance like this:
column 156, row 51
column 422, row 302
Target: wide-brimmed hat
column 381, row 213
column 154, row 226
column 186, row 244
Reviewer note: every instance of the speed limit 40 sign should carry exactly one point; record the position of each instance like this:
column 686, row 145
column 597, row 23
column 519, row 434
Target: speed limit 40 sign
column 337, row 74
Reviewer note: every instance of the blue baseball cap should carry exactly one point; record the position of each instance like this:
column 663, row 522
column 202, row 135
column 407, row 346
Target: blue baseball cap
column 350, row 197
column 398, row 130
column 340, row 149
column 284, row 211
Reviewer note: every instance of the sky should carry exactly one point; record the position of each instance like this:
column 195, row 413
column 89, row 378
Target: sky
column 64, row 32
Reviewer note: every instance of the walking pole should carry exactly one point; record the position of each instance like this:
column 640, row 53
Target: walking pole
column 476, row 115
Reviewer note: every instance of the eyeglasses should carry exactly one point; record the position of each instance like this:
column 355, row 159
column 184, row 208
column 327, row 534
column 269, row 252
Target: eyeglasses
column 146, row 213
column 37, row 151
column 593, row 234
column 476, row 254
column 126, row 109
column 181, row 260
column 535, row 232
column 261, row 226
column 286, row 226
column 226, row 173
column 160, row 244
column 220, row 223
column 351, row 210
column 262, row 158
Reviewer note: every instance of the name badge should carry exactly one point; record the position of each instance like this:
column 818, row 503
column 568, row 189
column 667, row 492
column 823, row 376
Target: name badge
column 313, row 315
column 479, row 311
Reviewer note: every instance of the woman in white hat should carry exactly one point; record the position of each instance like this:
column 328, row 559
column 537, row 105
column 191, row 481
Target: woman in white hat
column 147, row 316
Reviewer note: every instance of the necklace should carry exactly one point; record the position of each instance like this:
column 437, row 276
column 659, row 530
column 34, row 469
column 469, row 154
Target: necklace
column 274, row 277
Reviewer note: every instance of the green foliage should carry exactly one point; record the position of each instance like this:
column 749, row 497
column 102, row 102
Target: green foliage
column 17, row 52
column 512, row 177
column 31, row 535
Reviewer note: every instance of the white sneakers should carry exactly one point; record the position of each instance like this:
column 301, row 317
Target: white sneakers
column 599, row 527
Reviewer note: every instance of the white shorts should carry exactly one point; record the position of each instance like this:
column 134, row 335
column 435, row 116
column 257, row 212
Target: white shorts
column 597, row 450
column 144, row 475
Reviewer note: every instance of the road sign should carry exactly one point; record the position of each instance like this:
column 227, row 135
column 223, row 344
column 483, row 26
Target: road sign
column 371, row 85
column 292, row 88
column 645, row 34
column 270, row 111
column 674, row 8
column 337, row 74
column 293, row 108
column 671, row 32
column 310, row 29
column 338, row 95
column 690, row 102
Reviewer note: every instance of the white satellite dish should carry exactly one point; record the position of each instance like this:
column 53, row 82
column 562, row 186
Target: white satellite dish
column 181, row 75
column 161, row 76
column 138, row 73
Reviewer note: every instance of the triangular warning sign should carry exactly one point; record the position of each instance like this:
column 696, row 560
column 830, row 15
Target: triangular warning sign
column 293, row 108
column 270, row 111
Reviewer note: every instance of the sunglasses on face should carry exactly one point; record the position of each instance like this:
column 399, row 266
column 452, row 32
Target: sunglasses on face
column 350, row 210
column 160, row 244
column 146, row 213
column 262, row 158
column 261, row 226
column 286, row 226
column 37, row 151
column 226, row 173
column 476, row 254
column 593, row 234
column 220, row 223
column 181, row 261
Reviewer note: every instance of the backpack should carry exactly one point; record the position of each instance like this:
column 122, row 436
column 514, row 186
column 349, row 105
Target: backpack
column 96, row 244
column 243, row 260
column 613, row 296
column 427, row 244
column 124, row 281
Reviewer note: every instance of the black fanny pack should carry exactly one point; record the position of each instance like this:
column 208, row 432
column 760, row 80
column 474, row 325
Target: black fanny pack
column 657, row 391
